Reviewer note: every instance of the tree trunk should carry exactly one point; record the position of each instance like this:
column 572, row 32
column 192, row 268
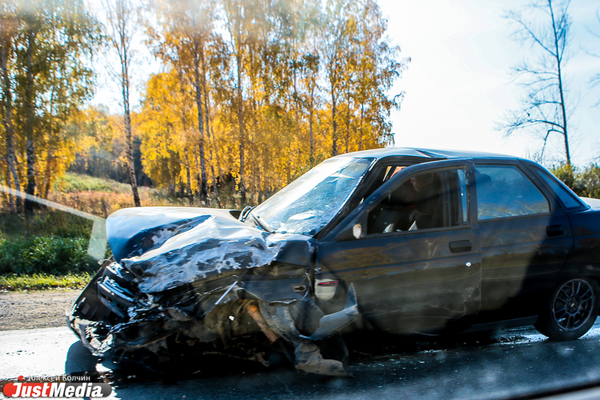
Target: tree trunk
column 48, row 173
column 198, row 180
column 241, row 125
column 188, row 176
column 11, row 202
column 29, row 125
column 12, row 168
column 296, row 97
column 560, row 85
column 311, row 156
column 132, row 176
column 334, row 149
column 122, row 46
column 197, row 88
column 208, row 134
column 8, row 129
column 360, row 127
column 348, row 127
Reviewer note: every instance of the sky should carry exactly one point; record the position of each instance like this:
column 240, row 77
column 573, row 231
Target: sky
column 458, row 84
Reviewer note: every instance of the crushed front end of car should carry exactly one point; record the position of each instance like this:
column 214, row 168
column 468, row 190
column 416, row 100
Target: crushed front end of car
column 198, row 281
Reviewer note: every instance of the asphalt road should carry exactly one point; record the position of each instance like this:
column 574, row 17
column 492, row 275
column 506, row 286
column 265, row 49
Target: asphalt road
column 513, row 363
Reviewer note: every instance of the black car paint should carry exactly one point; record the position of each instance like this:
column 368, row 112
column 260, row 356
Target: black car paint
column 516, row 262
column 406, row 281
column 497, row 271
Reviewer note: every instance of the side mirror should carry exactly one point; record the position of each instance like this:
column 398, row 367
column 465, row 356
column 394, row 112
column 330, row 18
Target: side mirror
column 351, row 232
column 357, row 230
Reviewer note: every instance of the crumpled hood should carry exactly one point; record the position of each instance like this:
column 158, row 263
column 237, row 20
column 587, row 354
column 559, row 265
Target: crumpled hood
column 168, row 247
column 133, row 231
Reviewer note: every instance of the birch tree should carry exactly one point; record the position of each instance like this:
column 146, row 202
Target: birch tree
column 122, row 24
column 284, row 83
column 544, row 109
column 183, row 38
column 44, row 81
column 9, row 25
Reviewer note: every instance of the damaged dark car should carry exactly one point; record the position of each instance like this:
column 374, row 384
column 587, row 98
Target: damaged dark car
column 396, row 240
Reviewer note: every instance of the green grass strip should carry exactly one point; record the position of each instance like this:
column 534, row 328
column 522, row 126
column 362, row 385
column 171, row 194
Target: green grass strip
column 16, row 283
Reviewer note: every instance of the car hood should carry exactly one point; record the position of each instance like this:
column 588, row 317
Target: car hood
column 167, row 247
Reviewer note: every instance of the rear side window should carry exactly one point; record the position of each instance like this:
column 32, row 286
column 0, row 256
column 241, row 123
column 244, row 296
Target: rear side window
column 566, row 196
column 505, row 191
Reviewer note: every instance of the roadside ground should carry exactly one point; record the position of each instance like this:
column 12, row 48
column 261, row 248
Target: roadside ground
column 32, row 310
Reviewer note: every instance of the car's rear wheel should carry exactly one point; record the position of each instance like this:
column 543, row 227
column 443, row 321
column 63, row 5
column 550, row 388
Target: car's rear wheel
column 571, row 310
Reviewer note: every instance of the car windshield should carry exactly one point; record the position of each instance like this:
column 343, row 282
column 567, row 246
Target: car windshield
column 311, row 201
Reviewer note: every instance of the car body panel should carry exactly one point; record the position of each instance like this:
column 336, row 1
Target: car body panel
column 522, row 255
column 405, row 251
column 133, row 231
column 408, row 281
column 181, row 246
column 400, row 296
column 585, row 255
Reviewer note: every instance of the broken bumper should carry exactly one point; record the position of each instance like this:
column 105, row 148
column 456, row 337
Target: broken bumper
column 241, row 315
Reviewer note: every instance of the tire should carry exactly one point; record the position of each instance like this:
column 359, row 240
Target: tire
column 571, row 309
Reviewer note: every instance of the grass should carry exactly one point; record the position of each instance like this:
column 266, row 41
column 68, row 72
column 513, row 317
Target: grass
column 44, row 223
column 72, row 182
column 43, row 281
column 45, row 254
column 48, row 249
column 102, row 197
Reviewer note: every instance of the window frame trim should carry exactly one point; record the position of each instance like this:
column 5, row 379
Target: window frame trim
column 548, row 195
column 469, row 174
column 537, row 169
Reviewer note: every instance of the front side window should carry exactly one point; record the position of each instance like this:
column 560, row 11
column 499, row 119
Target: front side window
column 423, row 201
column 505, row 191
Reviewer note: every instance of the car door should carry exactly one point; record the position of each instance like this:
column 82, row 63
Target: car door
column 411, row 273
column 525, row 239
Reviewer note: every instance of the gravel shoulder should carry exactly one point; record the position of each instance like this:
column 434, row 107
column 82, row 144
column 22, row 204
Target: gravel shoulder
column 32, row 310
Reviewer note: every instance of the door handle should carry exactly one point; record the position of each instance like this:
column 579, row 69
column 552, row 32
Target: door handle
column 554, row 230
column 459, row 246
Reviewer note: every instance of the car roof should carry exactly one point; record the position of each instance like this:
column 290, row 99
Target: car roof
column 424, row 153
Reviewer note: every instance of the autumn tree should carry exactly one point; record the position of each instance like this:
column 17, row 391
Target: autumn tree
column 167, row 131
column 121, row 27
column 46, row 46
column 283, row 85
column 239, row 24
column 35, row 23
column 544, row 109
column 182, row 39
column 67, row 84
column 376, row 69
column 9, row 25
column 360, row 66
column 301, row 24
column 338, row 29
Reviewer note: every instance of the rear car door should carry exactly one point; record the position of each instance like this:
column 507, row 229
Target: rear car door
column 525, row 239
column 410, row 250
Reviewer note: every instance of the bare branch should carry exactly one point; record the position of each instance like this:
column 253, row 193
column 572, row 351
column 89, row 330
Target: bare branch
column 543, row 104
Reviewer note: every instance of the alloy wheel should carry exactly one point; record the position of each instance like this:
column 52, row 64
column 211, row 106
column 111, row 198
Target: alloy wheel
column 573, row 304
